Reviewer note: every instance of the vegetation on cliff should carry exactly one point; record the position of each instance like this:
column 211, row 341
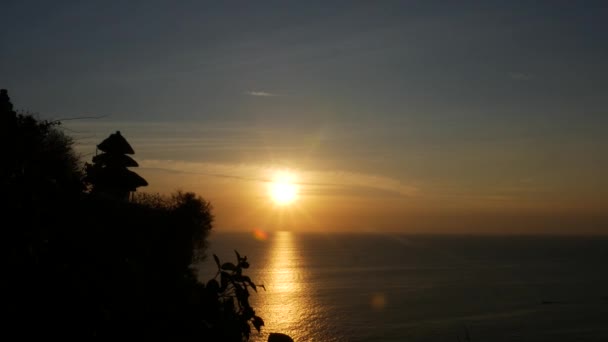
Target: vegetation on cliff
column 84, row 259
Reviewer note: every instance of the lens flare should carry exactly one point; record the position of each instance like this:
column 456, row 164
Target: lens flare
column 259, row 234
column 378, row 301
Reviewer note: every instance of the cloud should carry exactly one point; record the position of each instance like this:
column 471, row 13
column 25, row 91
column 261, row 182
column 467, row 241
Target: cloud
column 316, row 183
column 260, row 93
column 216, row 151
column 354, row 183
column 520, row 76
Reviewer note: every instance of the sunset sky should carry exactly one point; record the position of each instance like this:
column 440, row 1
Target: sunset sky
column 403, row 116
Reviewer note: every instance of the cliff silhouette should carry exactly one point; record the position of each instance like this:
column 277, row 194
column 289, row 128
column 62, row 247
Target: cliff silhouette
column 86, row 256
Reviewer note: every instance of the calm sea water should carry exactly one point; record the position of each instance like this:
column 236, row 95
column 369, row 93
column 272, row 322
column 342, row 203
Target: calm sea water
column 338, row 287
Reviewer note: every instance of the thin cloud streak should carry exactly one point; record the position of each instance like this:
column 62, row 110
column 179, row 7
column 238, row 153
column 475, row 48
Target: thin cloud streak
column 260, row 93
column 314, row 182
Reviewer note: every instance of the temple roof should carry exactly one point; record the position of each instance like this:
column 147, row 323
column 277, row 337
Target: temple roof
column 115, row 160
column 116, row 144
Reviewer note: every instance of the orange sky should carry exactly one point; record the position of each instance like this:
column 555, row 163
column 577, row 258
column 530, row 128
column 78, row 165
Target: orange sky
column 344, row 200
column 396, row 115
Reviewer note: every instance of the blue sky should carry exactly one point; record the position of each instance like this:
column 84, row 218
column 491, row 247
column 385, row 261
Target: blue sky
column 464, row 102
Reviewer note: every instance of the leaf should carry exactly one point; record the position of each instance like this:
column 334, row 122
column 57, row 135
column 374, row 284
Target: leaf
column 217, row 260
column 224, row 278
column 241, row 293
column 238, row 256
column 244, row 264
column 248, row 281
column 258, row 322
column 212, row 285
column 248, row 312
column 246, row 329
column 228, row 266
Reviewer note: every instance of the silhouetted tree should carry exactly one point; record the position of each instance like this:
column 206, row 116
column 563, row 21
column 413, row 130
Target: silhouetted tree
column 8, row 124
column 40, row 176
column 108, row 174
column 82, row 265
column 41, row 183
column 38, row 160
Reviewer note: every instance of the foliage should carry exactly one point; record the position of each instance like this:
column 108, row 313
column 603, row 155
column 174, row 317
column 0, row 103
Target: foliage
column 190, row 214
column 231, row 288
column 82, row 265
column 38, row 159
column 154, row 201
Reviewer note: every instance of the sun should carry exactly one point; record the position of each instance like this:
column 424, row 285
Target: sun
column 282, row 189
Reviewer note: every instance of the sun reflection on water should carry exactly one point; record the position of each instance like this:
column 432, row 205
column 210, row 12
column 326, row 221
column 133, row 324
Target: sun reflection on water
column 285, row 306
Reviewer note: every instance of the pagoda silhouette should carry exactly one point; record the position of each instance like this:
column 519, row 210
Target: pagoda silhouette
column 109, row 174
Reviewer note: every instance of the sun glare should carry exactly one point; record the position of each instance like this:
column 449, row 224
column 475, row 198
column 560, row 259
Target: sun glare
column 282, row 188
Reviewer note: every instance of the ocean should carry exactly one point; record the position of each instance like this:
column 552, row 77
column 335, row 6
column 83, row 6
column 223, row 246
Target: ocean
column 391, row 287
